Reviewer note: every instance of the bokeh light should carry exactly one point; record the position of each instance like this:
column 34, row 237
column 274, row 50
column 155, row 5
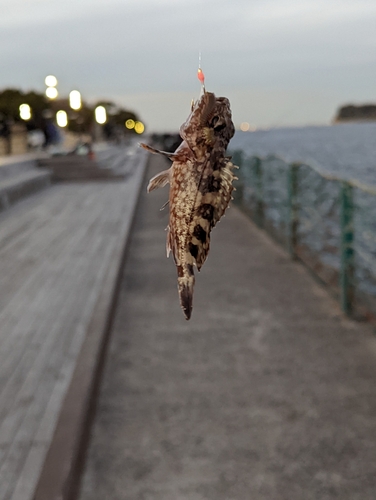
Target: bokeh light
column 75, row 100
column 51, row 92
column 50, row 81
column 139, row 127
column 62, row 118
column 25, row 112
column 100, row 115
column 247, row 127
column 130, row 124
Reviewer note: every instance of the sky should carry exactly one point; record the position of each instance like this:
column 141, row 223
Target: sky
column 280, row 62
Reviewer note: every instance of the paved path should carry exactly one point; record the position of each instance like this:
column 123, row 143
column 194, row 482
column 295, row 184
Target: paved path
column 55, row 252
column 268, row 393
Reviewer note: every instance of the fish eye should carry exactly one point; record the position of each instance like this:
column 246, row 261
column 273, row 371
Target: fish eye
column 217, row 123
column 214, row 121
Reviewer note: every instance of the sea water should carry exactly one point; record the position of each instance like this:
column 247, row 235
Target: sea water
column 345, row 150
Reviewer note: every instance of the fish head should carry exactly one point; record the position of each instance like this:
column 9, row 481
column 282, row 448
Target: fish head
column 209, row 125
column 220, row 121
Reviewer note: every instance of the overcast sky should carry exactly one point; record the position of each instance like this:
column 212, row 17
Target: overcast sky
column 280, row 62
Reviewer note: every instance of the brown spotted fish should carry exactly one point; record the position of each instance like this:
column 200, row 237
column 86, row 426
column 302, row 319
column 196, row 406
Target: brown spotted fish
column 200, row 180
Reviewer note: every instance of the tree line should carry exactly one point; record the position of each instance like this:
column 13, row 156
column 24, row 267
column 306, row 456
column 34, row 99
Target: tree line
column 78, row 121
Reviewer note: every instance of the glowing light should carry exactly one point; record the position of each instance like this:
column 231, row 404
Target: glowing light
column 75, row 100
column 130, row 124
column 25, row 112
column 100, row 115
column 62, row 118
column 51, row 92
column 50, row 81
column 244, row 127
column 139, row 127
column 200, row 75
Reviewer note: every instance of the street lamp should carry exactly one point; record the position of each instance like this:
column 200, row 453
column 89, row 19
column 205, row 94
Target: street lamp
column 25, row 112
column 62, row 118
column 51, row 90
column 100, row 115
column 50, row 81
column 139, row 127
column 75, row 101
column 130, row 124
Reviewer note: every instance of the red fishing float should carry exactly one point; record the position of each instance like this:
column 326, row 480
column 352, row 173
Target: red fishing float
column 201, row 76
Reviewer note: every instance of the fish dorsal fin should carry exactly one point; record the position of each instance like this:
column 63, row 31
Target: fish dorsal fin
column 159, row 180
column 208, row 109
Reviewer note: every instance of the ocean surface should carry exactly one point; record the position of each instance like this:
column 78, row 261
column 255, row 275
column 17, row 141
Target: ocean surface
column 346, row 150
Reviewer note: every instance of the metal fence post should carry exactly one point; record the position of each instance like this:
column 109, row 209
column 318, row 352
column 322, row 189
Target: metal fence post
column 238, row 160
column 347, row 251
column 292, row 208
column 257, row 173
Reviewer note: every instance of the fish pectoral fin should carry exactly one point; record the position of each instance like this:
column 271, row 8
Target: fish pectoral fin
column 159, row 180
column 209, row 137
column 171, row 156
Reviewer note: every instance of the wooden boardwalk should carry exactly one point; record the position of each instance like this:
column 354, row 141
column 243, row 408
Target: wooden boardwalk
column 55, row 250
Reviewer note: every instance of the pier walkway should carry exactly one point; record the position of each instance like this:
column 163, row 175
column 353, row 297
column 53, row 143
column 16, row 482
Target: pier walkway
column 267, row 393
column 60, row 253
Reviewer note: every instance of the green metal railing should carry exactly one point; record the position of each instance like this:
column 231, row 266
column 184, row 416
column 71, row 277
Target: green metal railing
column 325, row 221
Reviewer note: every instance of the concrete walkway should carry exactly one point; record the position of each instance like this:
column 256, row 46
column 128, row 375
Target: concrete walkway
column 268, row 393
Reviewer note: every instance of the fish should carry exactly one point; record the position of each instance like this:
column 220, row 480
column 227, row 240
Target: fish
column 201, row 184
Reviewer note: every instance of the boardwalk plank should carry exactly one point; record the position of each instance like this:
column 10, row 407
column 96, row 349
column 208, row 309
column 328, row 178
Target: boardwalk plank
column 55, row 250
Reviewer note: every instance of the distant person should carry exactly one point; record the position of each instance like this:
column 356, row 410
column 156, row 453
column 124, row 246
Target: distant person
column 52, row 136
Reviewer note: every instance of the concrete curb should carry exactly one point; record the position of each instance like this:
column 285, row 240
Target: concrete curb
column 60, row 475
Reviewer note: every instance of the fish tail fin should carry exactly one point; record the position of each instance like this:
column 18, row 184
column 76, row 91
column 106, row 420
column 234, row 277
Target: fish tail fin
column 186, row 281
